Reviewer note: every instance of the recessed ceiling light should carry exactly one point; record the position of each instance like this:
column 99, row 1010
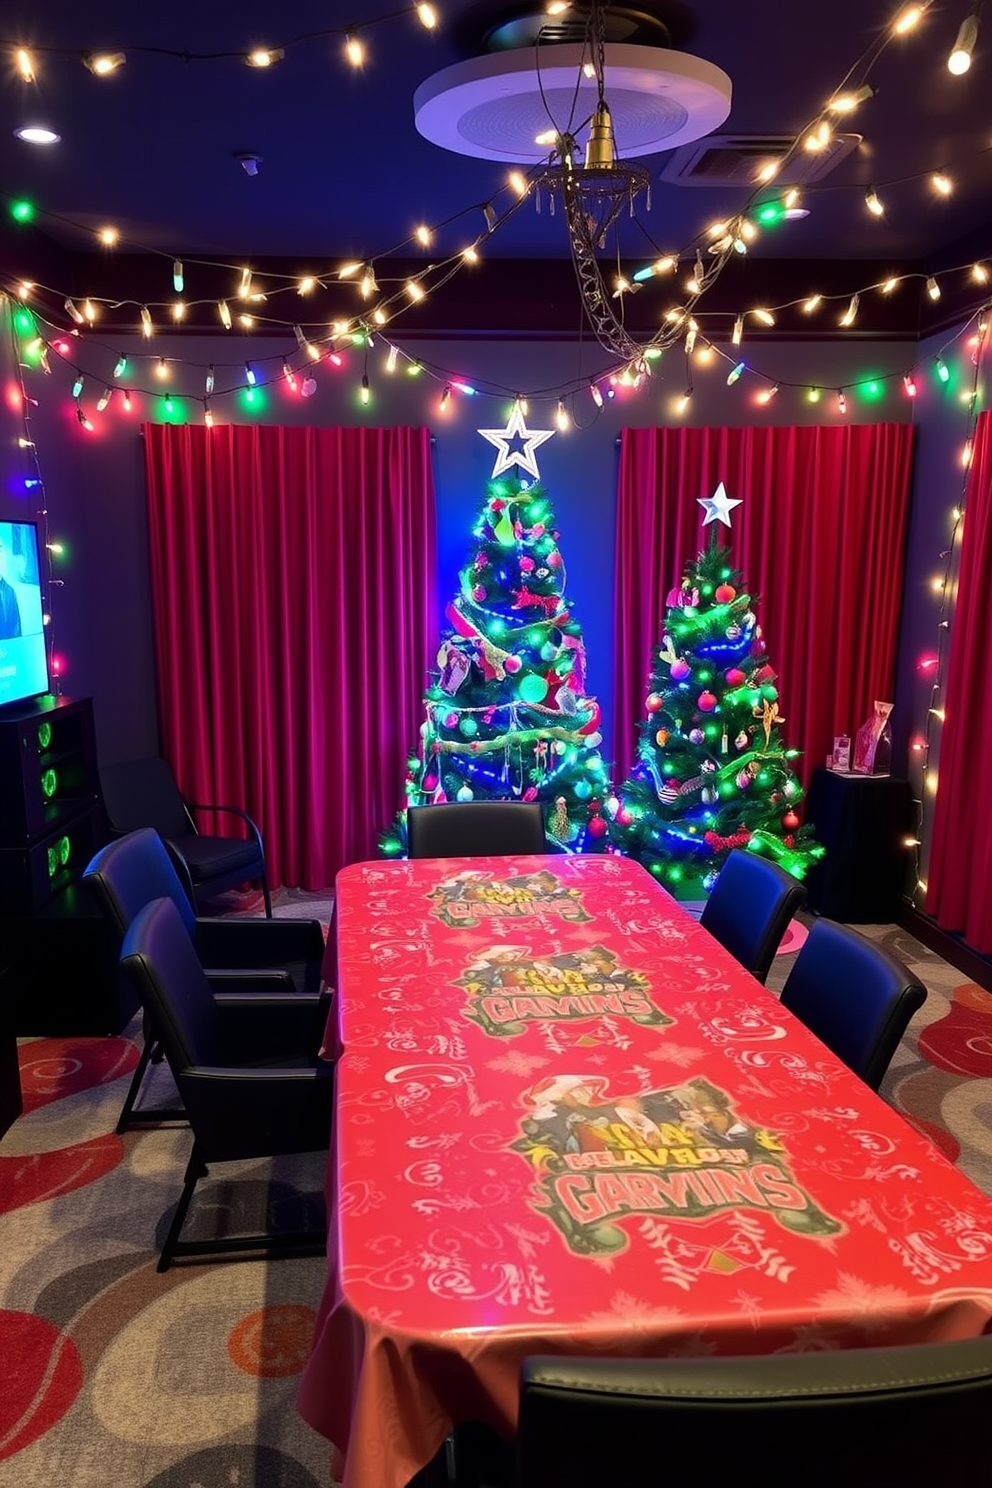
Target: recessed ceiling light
column 36, row 134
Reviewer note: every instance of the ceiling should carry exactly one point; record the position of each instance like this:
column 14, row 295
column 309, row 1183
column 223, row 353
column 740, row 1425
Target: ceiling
column 344, row 174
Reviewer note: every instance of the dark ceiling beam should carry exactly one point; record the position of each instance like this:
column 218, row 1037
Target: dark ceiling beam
column 497, row 298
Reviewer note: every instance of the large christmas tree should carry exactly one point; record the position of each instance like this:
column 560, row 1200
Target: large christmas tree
column 508, row 713
column 712, row 771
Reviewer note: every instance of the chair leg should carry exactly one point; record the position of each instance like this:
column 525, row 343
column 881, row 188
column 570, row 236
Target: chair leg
column 125, row 1118
column 196, row 1169
column 288, row 1243
column 266, row 896
column 151, row 1053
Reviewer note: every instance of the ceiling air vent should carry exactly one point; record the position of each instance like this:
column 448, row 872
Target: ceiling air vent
column 735, row 160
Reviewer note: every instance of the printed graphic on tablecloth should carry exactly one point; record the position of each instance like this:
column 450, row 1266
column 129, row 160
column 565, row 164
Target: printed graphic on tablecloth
column 471, row 896
column 509, row 986
column 681, row 1152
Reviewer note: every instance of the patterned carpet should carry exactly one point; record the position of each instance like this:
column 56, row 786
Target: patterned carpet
column 115, row 1374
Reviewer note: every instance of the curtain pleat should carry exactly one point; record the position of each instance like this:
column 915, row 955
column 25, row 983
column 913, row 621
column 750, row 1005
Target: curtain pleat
column 293, row 597
column 820, row 539
column 960, row 868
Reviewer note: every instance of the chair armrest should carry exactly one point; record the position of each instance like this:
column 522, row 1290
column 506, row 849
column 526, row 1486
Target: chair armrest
column 289, row 1025
column 248, row 981
column 260, row 943
column 255, row 1113
column 234, row 811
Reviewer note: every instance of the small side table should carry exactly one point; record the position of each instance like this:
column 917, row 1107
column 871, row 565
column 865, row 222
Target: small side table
column 861, row 821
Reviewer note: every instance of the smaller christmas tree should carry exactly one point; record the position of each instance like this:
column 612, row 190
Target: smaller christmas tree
column 712, row 771
column 508, row 713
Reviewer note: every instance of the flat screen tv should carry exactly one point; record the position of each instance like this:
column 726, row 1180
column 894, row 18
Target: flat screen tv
column 23, row 652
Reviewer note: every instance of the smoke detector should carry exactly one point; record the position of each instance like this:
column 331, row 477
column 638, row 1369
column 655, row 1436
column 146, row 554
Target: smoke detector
column 531, row 80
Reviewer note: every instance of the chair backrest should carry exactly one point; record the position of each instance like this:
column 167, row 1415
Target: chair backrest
column 458, row 829
column 161, row 963
column 854, row 995
column 144, row 793
column 129, row 873
column 749, row 909
column 858, row 1416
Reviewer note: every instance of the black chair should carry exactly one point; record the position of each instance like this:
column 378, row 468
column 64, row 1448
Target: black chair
column 858, row 1417
column 144, row 793
column 245, row 1068
column 854, row 995
column 474, row 829
column 749, row 909
column 238, row 955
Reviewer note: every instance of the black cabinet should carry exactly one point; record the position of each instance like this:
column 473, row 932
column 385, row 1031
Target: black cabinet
column 862, row 822
column 62, row 978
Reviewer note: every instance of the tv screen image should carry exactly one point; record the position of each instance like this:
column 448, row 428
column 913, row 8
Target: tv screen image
column 23, row 652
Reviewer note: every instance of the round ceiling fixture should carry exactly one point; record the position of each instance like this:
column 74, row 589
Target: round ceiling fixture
column 494, row 107
column 37, row 134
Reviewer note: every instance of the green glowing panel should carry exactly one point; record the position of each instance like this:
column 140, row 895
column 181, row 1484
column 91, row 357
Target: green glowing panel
column 49, row 783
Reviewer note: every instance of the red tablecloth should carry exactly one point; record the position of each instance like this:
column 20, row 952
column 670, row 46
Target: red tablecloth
column 567, row 1121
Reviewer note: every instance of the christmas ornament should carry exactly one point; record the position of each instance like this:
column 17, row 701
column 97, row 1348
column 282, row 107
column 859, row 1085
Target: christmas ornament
column 724, row 593
column 735, row 677
column 710, row 794
column 667, row 652
column 790, row 821
column 532, row 688
column 516, row 429
column 612, row 805
column 558, row 823
column 625, row 817
column 769, row 715
column 741, row 741
column 653, row 702
column 455, row 667
column 790, row 790
column 526, row 565
column 718, row 506
column 744, row 778
column 708, row 766
column 478, row 593
column 554, row 560
column 597, row 826
column 465, row 793
column 696, row 736
column 513, row 664
column 680, row 670
column 468, row 727
column 662, row 737
column 706, row 702
column 592, row 724
column 733, row 632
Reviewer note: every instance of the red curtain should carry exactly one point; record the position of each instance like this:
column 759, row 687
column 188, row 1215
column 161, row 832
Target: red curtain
column 820, row 539
column 293, row 592
column 960, row 867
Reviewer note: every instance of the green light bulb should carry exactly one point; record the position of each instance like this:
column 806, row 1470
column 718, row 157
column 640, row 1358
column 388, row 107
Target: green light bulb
column 22, row 211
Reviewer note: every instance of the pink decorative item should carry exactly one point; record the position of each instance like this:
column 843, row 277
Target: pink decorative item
column 873, row 743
